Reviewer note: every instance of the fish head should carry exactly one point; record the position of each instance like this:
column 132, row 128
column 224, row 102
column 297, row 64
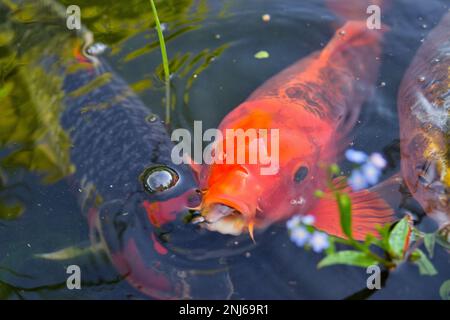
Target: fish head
column 230, row 202
column 426, row 171
column 239, row 196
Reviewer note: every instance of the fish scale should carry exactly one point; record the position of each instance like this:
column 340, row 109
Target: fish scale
column 114, row 145
column 424, row 114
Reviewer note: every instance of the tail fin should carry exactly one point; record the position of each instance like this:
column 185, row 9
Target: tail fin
column 354, row 50
column 353, row 34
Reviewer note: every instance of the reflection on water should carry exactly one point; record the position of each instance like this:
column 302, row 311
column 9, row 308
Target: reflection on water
column 46, row 205
column 30, row 134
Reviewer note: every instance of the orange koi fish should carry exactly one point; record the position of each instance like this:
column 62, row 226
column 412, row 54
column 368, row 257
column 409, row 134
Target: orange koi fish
column 313, row 104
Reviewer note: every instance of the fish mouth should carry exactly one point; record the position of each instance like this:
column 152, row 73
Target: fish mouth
column 223, row 218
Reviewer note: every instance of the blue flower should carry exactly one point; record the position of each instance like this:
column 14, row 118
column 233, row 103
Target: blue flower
column 300, row 236
column 357, row 180
column 308, row 220
column 319, row 241
column 371, row 173
column 377, row 160
column 293, row 222
column 368, row 171
column 356, row 156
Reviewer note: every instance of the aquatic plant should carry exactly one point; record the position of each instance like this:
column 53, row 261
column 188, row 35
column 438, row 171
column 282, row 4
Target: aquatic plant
column 165, row 60
column 30, row 136
column 114, row 24
column 396, row 243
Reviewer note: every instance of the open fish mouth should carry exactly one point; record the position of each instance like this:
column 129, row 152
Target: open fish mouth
column 224, row 219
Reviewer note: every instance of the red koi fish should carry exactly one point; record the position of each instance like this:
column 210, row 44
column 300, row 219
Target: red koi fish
column 313, row 104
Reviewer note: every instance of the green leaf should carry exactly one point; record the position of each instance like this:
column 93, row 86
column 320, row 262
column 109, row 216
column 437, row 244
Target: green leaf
column 331, row 247
column 426, row 268
column 6, row 89
column 441, row 241
column 371, row 240
column 334, row 169
column 348, row 257
column 384, row 232
column 6, row 37
column 399, row 237
column 430, row 239
column 319, row 193
column 165, row 59
column 262, row 55
column 444, row 291
column 345, row 210
column 10, row 211
column 443, row 237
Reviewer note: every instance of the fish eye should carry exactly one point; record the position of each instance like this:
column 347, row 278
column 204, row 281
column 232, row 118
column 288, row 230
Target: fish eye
column 159, row 178
column 300, row 174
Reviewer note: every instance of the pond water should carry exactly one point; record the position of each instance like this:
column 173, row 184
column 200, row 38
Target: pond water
column 211, row 45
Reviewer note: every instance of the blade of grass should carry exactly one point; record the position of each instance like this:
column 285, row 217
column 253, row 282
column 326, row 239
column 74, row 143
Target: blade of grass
column 165, row 60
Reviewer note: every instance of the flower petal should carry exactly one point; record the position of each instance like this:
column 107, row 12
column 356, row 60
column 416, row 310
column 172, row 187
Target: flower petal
column 300, row 236
column 378, row 160
column 357, row 180
column 308, row 220
column 293, row 222
column 356, row 156
column 371, row 173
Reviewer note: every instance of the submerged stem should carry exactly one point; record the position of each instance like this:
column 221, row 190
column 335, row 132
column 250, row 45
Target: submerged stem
column 165, row 60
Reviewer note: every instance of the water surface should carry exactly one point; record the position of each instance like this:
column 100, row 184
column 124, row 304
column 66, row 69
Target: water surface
column 211, row 45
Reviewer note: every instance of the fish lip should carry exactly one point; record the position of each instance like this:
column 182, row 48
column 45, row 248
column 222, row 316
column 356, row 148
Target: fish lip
column 229, row 222
column 231, row 211
column 233, row 221
column 238, row 208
